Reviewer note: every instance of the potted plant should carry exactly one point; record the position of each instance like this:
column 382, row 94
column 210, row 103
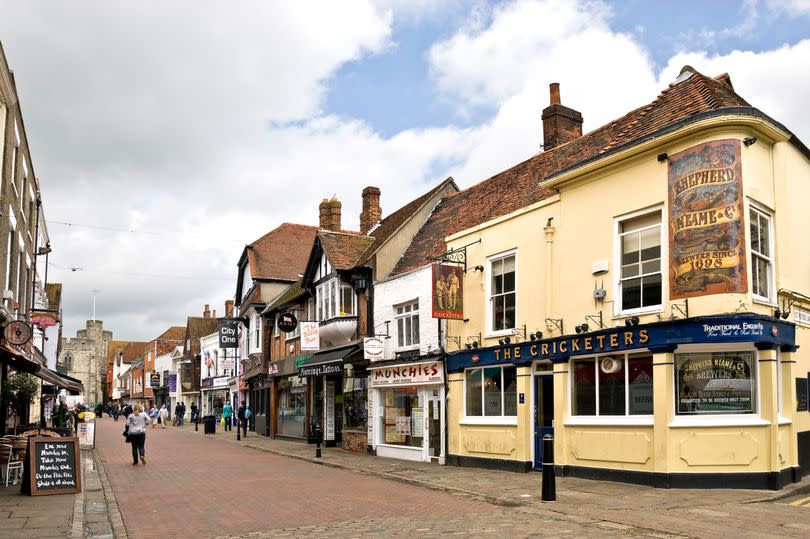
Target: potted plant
column 19, row 392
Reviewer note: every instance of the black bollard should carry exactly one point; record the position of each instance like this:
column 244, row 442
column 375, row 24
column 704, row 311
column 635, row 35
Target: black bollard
column 317, row 443
column 238, row 428
column 549, row 487
column 196, row 422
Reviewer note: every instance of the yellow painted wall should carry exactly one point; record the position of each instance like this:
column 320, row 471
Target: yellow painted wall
column 775, row 175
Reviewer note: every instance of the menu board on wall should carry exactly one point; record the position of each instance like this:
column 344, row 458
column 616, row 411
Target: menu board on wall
column 706, row 221
column 417, row 422
column 329, row 409
column 54, row 466
column 801, row 394
column 394, row 426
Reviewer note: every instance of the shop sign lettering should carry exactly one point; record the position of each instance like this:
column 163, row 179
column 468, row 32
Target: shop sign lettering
column 727, row 330
column 406, row 375
column 310, row 336
column 447, row 292
column 321, row 370
column 706, row 224
column 227, row 329
column 714, row 382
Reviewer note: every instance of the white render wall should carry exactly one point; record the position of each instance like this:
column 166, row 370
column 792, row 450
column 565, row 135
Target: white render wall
column 403, row 289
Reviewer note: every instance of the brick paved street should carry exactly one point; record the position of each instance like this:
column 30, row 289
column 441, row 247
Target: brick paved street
column 224, row 488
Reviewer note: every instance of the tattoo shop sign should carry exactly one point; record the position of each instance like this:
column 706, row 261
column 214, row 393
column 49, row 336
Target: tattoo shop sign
column 706, row 224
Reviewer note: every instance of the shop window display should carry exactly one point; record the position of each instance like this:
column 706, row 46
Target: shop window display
column 292, row 406
column 355, row 402
column 403, row 420
column 615, row 385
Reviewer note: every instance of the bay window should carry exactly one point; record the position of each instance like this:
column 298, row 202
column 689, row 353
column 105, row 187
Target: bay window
column 639, row 243
column 335, row 299
column 491, row 391
column 615, row 385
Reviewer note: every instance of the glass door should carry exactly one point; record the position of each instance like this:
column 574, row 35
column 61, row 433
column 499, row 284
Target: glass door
column 543, row 413
column 434, row 415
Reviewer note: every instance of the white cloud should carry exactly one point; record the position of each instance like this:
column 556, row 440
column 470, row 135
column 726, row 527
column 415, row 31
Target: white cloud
column 795, row 8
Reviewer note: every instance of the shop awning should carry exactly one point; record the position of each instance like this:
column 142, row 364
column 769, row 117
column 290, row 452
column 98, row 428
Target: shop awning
column 314, row 366
column 73, row 385
column 17, row 360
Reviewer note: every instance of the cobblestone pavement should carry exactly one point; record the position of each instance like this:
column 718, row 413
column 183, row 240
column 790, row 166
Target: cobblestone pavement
column 274, row 488
column 40, row 516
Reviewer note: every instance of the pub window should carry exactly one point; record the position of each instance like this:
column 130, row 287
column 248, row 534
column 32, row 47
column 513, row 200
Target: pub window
column 407, row 318
column 491, row 391
column 761, row 255
column 502, row 293
column 639, row 242
column 715, row 383
column 615, row 385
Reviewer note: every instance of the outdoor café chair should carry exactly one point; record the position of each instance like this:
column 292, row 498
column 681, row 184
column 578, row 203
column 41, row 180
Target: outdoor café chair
column 8, row 464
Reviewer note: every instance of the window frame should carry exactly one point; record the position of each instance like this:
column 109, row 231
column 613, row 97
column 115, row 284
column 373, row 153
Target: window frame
column 763, row 212
column 483, row 419
column 412, row 313
column 294, row 334
column 619, row 309
column 329, row 305
column 627, row 418
column 490, row 332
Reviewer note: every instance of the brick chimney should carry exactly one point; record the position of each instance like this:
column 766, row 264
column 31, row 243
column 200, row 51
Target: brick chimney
column 206, row 312
column 560, row 123
column 330, row 214
column 371, row 214
column 228, row 308
column 213, row 313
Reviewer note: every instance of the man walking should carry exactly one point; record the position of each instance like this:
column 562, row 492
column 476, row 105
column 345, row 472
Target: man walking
column 240, row 414
column 182, row 415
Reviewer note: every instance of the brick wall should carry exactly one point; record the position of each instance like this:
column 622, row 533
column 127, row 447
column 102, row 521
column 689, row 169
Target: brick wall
column 355, row 441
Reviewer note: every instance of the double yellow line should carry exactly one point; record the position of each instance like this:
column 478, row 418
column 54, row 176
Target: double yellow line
column 801, row 502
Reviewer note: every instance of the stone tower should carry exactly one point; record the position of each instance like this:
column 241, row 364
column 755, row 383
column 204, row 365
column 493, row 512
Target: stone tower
column 85, row 357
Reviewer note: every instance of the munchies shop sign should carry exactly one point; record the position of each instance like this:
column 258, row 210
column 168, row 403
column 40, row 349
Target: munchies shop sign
column 706, row 224
column 407, row 375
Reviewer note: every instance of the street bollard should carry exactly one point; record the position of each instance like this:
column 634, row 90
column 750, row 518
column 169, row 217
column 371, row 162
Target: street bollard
column 196, row 422
column 317, row 443
column 549, row 487
column 238, row 429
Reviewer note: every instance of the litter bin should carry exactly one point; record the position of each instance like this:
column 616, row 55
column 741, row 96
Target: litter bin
column 210, row 423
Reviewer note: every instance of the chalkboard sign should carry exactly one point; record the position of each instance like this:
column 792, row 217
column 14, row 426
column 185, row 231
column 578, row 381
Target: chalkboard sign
column 801, row 394
column 54, row 466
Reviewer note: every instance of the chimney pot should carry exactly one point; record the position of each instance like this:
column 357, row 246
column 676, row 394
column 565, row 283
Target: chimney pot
column 554, row 93
column 330, row 214
column 229, row 308
column 206, row 312
column 371, row 214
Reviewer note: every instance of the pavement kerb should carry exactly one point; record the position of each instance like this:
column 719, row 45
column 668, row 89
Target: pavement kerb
column 77, row 526
column 113, row 513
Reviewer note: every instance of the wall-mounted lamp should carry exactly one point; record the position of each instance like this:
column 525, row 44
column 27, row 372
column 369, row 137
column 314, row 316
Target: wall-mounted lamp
column 536, row 336
column 504, row 341
column 749, row 140
column 662, row 157
column 44, row 250
column 473, row 341
column 554, row 323
column 582, row 328
column 781, row 314
column 632, row 321
column 478, row 268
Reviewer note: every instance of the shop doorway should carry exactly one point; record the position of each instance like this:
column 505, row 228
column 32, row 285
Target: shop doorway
column 435, row 438
column 543, row 413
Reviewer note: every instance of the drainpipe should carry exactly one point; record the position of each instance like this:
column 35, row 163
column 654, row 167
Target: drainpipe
column 549, row 231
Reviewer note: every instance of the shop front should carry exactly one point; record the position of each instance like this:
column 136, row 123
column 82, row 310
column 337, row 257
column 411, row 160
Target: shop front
column 407, row 404
column 290, row 398
column 214, row 395
column 337, row 381
column 696, row 402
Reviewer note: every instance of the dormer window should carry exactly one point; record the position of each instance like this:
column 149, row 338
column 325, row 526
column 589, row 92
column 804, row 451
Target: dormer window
column 335, row 299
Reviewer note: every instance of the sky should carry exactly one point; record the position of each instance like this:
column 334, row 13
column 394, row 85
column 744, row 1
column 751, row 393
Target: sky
column 167, row 135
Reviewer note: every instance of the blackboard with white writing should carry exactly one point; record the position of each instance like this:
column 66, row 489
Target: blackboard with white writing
column 801, row 394
column 54, row 466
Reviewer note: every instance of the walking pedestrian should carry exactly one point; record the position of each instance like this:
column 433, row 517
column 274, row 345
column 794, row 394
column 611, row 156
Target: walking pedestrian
column 182, row 413
column 193, row 412
column 227, row 414
column 240, row 414
column 164, row 416
column 136, row 433
column 127, row 410
column 153, row 416
column 115, row 411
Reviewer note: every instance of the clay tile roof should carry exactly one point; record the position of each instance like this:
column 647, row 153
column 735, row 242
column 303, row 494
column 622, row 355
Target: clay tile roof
column 164, row 347
column 521, row 186
column 133, row 351
column 386, row 228
column 282, row 253
column 293, row 293
column 199, row 327
column 113, row 347
column 174, row 333
column 343, row 250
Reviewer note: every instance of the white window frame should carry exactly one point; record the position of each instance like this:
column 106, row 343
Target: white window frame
column 329, row 296
column 490, row 419
column 401, row 317
column 619, row 309
column 488, row 298
column 256, row 320
column 718, row 420
column 771, row 259
column 627, row 418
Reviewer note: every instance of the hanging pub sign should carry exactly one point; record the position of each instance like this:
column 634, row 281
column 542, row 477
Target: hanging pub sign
column 227, row 329
column 373, row 348
column 447, row 297
column 17, row 333
column 706, row 222
column 287, row 322
column 310, row 336
column 154, row 379
column 43, row 318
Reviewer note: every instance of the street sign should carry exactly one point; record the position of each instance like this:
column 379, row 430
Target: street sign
column 227, row 330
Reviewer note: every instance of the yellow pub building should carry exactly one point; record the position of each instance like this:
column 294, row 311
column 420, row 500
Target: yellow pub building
column 640, row 292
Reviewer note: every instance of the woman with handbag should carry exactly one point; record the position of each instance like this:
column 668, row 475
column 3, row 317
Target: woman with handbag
column 136, row 433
